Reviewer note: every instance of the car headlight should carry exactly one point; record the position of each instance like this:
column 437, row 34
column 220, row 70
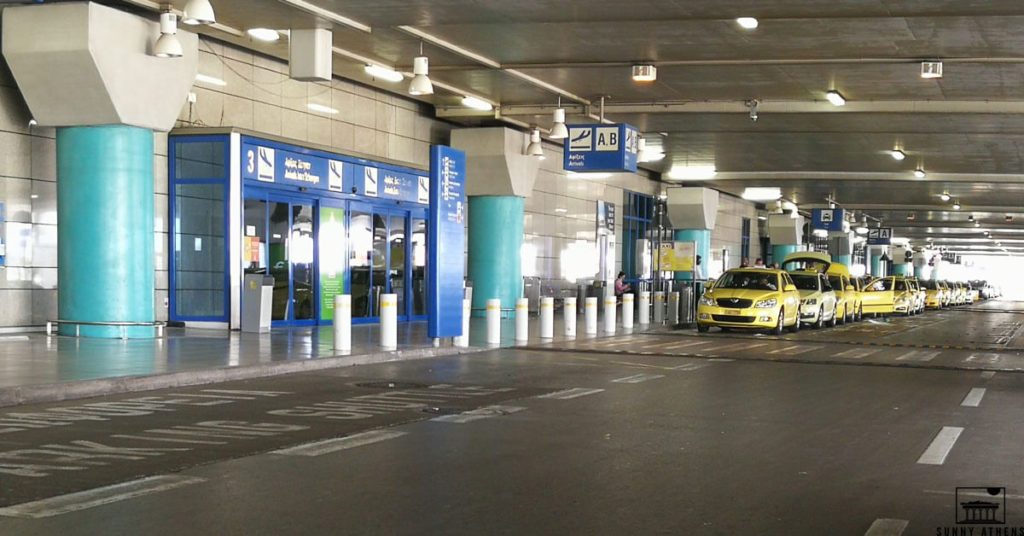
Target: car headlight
column 705, row 300
column 810, row 301
column 766, row 304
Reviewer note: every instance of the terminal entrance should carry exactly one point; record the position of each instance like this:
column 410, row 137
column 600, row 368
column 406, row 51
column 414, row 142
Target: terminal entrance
column 387, row 256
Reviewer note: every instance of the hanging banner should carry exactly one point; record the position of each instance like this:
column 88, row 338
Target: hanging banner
column 446, row 242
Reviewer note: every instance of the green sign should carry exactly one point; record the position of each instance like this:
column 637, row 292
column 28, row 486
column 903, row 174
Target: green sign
column 332, row 258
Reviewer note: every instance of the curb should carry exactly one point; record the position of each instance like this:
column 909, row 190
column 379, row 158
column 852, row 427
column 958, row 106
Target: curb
column 57, row 392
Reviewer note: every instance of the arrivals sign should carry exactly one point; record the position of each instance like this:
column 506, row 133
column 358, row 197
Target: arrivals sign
column 828, row 218
column 447, row 241
column 880, row 236
column 601, row 148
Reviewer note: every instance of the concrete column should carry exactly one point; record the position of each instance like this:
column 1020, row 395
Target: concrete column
column 495, row 240
column 105, row 238
column 703, row 239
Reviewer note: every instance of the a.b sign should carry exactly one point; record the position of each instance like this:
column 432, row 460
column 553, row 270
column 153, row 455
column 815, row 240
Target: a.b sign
column 881, row 236
column 447, row 241
column 828, row 218
column 601, row 148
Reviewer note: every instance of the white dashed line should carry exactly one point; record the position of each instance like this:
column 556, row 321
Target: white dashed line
column 988, row 374
column 917, row 355
column 887, row 527
column 328, row 446
column 571, row 393
column 936, row 453
column 477, row 414
column 690, row 367
column 785, row 349
column 638, row 378
column 721, row 360
column 982, row 358
column 82, row 500
column 857, row 353
column 973, row 398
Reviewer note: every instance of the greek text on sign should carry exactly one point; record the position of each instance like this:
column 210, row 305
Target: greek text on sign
column 601, row 147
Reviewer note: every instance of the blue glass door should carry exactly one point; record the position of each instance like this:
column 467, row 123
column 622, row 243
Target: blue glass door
column 381, row 260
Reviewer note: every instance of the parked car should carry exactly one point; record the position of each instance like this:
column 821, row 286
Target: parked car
column 750, row 298
column 879, row 297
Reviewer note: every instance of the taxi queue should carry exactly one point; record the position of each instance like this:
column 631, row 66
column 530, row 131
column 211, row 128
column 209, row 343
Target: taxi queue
column 811, row 290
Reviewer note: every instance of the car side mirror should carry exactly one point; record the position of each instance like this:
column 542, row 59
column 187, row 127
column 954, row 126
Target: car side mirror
column 849, row 287
column 789, row 288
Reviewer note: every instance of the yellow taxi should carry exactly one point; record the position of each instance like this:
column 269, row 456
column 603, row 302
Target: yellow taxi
column 750, row 298
column 904, row 296
column 878, row 296
column 933, row 294
column 845, row 286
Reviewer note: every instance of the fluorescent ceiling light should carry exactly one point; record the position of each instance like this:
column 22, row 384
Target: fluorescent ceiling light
column 267, row 35
column 321, row 108
column 326, row 14
column 212, row 80
column 956, row 205
column 198, row 12
column 835, row 98
column 420, row 84
column 762, row 194
column 919, row 173
column 944, row 196
column 747, row 23
column 476, row 103
column 558, row 130
column 561, row 210
column 897, row 154
column 588, row 175
column 645, row 73
column 861, row 229
column 931, row 69
column 682, row 173
column 823, row 233
column 383, row 73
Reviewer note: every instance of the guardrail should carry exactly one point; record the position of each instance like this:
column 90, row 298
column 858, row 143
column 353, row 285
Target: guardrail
column 123, row 325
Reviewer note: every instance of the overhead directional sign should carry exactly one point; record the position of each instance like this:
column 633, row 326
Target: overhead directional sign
column 828, row 218
column 881, row 236
column 601, row 148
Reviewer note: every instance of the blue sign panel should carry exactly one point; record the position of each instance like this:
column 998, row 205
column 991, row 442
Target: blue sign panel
column 389, row 184
column 881, row 236
column 447, row 241
column 273, row 164
column 601, row 148
column 828, row 218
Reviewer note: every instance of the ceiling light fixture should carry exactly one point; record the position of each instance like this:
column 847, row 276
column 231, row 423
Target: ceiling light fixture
column 977, row 224
column 835, row 98
column 931, row 69
column 919, row 173
column 558, row 130
column 747, row 23
column 476, row 103
column 911, row 217
column 267, row 35
column 535, row 148
column 588, row 175
column 420, row 84
column 167, row 45
column 211, row 80
column 321, row 108
column 383, row 73
column 761, row 193
column 692, row 173
column 198, row 12
column 645, row 73
column 897, row 154
column 944, row 196
column 956, row 205
column 862, row 229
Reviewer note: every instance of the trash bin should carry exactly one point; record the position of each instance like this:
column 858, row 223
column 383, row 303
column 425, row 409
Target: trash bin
column 257, row 300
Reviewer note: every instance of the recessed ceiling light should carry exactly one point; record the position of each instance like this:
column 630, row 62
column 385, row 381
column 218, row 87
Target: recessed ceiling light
column 645, row 73
column 266, row 35
column 321, row 108
column 747, row 23
column 944, row 196
column 692, row 173
column 897, row 154
column 931, row 69
column 476, row 103
column 761, row 194
column 588, row 175
column 383, row 73
column 835, row 98
column 956, row 205
column 919, row 173
column 211, row 80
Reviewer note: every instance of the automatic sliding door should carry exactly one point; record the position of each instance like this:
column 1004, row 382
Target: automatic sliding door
column 396, row 261
column 360, row 256
column 301, row 257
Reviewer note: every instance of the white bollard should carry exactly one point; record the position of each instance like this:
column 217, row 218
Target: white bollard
column 494, row 322
column 343, row 323
column 627, row 311
column 590, row 316
column 522, row 320
column 569, row 311
column 389, row 321
column 547, row 318
column 659, row 307
column 673, row 308
column 645, row 309
column 609, row 314
column 462, row 341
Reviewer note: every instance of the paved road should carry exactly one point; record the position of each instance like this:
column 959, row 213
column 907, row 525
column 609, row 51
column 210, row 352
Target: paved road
column 548, row 442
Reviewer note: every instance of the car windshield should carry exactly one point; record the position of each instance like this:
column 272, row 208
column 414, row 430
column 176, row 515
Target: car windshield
column 748, row 280
column 930, row 285
column 836, row 282
column 901, row 285
column 880, row 285
column 805, row 282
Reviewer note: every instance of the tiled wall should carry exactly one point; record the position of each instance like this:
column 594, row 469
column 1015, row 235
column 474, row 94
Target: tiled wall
column 728, row 231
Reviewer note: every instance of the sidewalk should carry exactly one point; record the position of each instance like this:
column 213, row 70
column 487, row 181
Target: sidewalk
column 35, row 367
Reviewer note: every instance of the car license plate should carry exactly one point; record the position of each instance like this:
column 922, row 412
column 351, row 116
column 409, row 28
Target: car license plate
column 734, row 312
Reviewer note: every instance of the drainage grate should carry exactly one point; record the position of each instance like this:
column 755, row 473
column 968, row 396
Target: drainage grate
column 393, row 385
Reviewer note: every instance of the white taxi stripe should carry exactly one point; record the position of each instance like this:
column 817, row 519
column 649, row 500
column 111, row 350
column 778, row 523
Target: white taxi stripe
column 940, row 447
column 887, row 527
column 857, row 353
column 82, row 500
column 973, row 398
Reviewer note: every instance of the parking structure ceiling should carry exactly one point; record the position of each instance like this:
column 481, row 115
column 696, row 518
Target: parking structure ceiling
column 965, row 130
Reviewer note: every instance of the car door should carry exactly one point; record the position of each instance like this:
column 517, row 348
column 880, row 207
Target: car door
column 790, row 297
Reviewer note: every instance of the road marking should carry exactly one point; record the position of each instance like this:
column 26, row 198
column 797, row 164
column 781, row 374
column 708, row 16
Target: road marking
column 688, row 344
column 982, row 358
column 972, row 494
column 721, row 360
column 477, row 414
column 785, row 349
column 887, row 527
column 73, row 502
column 936, row 453
column 973, row 398
column 620, row 342
column 638, row 378
column 988, row 374
column 804, row 350
column 738, row 346
column 567, row 394
column 690, row 367
column 328, row 446
column 857, row 353
column 917, row 355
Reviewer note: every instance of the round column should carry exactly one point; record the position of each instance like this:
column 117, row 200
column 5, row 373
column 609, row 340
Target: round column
column 703, row 239
column 495, row 240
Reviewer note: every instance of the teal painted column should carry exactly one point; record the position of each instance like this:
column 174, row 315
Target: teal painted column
column 845, row 260
column 105, row 270
column 901, row 269
column 703, row 239
column 876, row 265
column 495, row 241
column 919, row 272
column 780, row 251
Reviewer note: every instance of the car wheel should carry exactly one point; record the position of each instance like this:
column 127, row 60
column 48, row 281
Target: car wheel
column 820, row 320
column 796, row 325
column 832, row 322
column 860, row 314
column 778, row 326
column 846, row 316
column 703, row 328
